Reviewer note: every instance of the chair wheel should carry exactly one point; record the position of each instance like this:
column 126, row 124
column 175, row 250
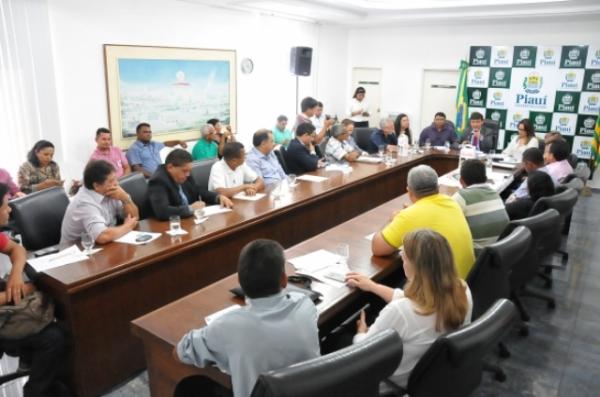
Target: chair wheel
column 500, row 376
column 552, row 304
column 524, row 331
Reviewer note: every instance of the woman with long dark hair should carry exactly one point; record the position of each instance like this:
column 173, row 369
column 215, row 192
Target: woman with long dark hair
column 402, row 127
column 522, row 141
column 39, row 172
column 359, row 108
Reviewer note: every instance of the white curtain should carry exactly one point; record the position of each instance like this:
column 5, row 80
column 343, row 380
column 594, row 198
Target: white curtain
column 28, row 109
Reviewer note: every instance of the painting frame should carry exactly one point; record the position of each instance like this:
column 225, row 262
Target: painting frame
column 116, row 54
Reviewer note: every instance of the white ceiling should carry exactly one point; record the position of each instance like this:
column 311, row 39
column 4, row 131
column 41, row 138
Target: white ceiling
column 369, row 13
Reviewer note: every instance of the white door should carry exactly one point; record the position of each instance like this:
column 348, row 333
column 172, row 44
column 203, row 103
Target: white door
column 439, row 95
column 370, row 80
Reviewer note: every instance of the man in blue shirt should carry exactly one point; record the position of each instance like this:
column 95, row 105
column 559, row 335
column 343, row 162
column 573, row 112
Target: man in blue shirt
column 262, row 159
column 144, row 154
column 439, row 132
column 385, row 136
column 274, row 330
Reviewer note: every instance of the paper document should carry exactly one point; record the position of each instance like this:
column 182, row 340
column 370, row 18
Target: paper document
column 370, row 236
column 311, row 178
column 215, row 209
column 209, row 319
column 322, row 265
column 450, row 180
column 345, row 168
column 243, row 196
column 179, row 232
column 64, row 257
column 369, row 159
column 130, row 238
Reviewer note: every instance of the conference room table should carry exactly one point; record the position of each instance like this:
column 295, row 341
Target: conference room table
column 162, row 329
column 99, row 297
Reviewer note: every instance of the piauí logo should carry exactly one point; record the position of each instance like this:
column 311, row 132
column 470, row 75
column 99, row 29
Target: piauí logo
column 517, row 117
column 480, row 53
column 567, row 99
column 596, row 77
column 525, row 53
column 496, row 116
column 478, row 74
column 502, row 53
column 533, row 83
column 548, row 53
column 574, row 54
column 593, row 100
column 540, row 119
column 571, row 76
column 499, row 75
column 589, row 123
column 498, row 95
column 564, row 120
column 477, row 95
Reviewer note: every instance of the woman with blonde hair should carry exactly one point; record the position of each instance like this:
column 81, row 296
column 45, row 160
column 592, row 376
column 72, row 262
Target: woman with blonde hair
column 434, row 299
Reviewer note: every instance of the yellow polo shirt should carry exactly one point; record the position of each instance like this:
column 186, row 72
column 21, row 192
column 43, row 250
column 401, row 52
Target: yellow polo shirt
column 443, row 215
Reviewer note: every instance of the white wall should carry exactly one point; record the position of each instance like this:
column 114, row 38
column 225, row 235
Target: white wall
column 403, row 53
column 80, row 28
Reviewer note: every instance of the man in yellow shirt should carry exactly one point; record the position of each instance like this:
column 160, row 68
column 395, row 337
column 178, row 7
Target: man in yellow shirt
column 430, row 210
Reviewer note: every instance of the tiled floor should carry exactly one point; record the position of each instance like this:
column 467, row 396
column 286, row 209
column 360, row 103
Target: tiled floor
column 561, row 355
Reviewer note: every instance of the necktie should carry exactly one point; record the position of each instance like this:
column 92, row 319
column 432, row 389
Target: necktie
column 184, row 200
column 475, row 141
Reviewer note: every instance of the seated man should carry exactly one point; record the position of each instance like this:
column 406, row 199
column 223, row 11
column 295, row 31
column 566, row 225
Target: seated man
column 95, row 207
column 46, row 350
column 478, row 135
column 207, row 147
column 339, row 149
column 556, row 156
column 231, row 175
column 223, row 135
column 439, row 132
column 107, row 152
column 282, row 135
column 385, row 136
column 144, row 153
column 173, row 192
column 539, row 184
column 532, row 160
column 482, row 206
column 430, row 210
column 274, row 330
column 262, row 159
column 302, row 155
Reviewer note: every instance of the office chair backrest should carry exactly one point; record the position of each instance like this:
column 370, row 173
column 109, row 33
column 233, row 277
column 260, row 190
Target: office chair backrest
column 362, row 137
column 542, row 227
column 489, row 277
column 280, row 153
column 356, row 370
column 573, row 181
column 452, row 365
column 562, row 202
column 201, row 172
column 136, row 186
column 573, row 159
column 323, row 145
column 38, row 217
column 493, row 126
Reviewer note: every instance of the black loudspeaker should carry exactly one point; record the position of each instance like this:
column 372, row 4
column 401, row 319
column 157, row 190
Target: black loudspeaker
column 300, row 59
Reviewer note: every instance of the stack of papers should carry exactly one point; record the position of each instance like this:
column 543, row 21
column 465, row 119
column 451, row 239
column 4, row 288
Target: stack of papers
column 323, row 266
column 311, row 178
column 369, row 159
column 243, row 196
column 64, row 257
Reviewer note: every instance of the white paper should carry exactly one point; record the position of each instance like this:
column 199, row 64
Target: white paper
column 179, row 232
column 210, row 318
column 370, row 236
column 315, row 261
column 130, row 237
column 201, row 220
column 333, row 275
column 369, row 159
column 243, row 196
column 345, row 168
column 450, row 180
column 311, row 178
column 64, row 257
column 215, row 209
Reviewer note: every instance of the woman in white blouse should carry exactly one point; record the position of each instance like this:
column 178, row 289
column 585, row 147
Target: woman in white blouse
column 434, row 300
column 359, row 108
column 524, row 140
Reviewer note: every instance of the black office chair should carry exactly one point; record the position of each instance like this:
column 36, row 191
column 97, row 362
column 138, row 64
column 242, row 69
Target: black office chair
column 494, row 127
column 201, row 172
column 453, row 364
column 356, row 370
column 280, row 153
column 136, row 186
column 38, row 217
column 323, row 145
column 526, row 269
column 489, row 278
column 573, row 159
column 362, row 137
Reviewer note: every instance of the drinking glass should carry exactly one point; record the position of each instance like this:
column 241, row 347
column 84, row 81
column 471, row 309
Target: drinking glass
column 427, row 145
column 291, row 180
column 343, row 250
column 199, row 214
column 175, row 223
column 381, row 150
column 447, row 146
column 87, row 242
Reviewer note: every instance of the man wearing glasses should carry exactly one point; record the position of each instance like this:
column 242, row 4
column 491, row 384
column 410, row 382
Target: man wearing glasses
column 339, row 147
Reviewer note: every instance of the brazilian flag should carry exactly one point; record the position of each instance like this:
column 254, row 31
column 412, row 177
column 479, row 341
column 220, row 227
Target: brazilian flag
column 595, row 160
column 461, row 100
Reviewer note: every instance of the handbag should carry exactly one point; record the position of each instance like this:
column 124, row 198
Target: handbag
column 30, row 316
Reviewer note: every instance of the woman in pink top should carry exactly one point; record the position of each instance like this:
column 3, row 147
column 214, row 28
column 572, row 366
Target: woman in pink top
column 13, row 189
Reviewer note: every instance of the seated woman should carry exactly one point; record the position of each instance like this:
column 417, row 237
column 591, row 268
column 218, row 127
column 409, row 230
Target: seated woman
column 402, row 128
column 39, row 172
column 524, row 140
column 434, row 300
column 539, row 184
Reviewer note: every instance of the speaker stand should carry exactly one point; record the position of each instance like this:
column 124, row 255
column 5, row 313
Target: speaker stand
column 297, row 85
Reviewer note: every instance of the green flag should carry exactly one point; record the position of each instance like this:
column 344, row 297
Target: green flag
column 595, row 160
column 461, row 100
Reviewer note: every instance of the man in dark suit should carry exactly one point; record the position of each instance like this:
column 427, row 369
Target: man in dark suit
column 484, row 139
column 302, row 155
column 173, row 191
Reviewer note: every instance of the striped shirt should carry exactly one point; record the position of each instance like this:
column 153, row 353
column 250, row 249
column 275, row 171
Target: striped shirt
column 484, row 211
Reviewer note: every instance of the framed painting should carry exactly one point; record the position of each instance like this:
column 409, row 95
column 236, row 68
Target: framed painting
column 175, row 90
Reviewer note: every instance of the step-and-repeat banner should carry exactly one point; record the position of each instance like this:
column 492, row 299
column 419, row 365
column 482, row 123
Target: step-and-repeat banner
column 556, row 87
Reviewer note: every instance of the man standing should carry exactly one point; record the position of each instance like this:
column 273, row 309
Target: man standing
column 309, row 108
column 172, row 190
column 478, row 135
column 262, row 159
column 97, row 204
column 439, row 132
column 107, row 152
column 144, row 153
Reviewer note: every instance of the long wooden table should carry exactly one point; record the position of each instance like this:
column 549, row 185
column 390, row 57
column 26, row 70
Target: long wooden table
column 99, row 297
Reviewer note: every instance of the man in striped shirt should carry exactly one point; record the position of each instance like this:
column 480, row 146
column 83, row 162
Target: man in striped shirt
column 482, row 206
